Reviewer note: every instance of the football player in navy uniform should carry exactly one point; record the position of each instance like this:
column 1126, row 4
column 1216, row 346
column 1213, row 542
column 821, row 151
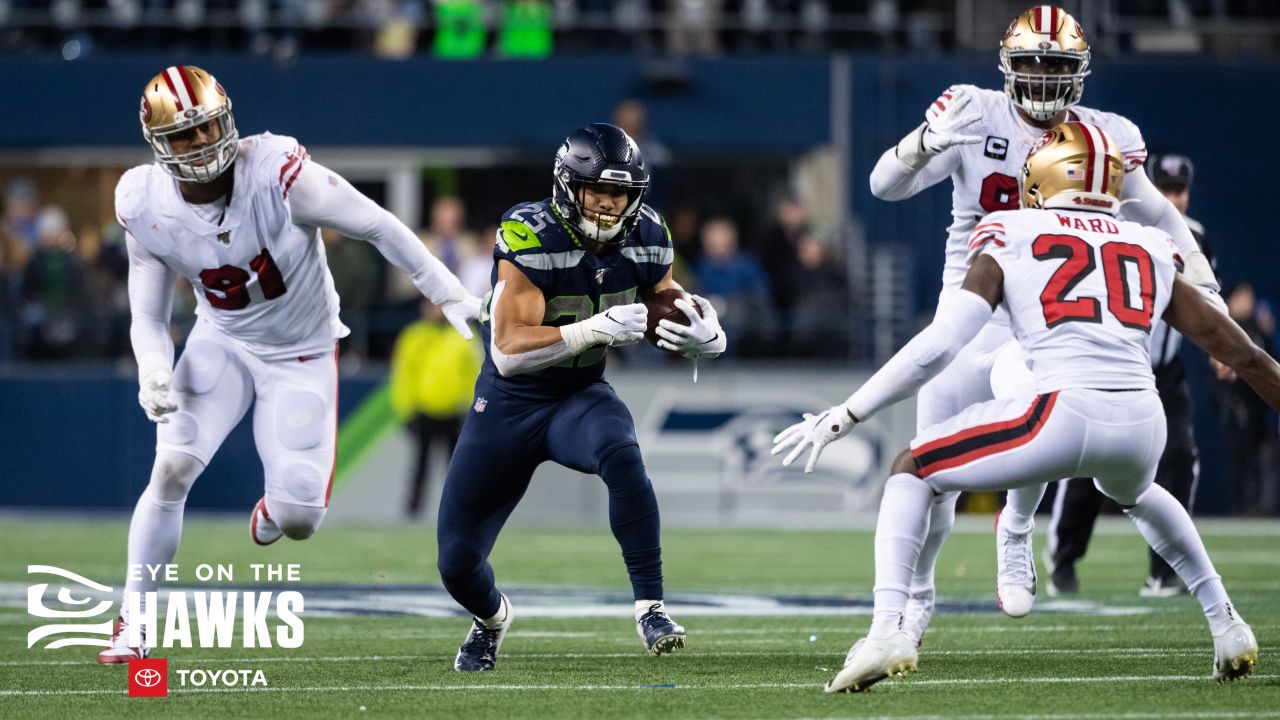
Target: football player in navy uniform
column 569, row 276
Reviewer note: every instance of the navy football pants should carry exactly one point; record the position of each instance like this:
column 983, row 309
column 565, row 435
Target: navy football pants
column 590, row 431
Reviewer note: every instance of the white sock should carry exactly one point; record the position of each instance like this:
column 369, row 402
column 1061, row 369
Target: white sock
column 156, row 527
column 643, row 606
column 942, row 516
column 154, row 533
column 900, row 530
column 498, row 617
column 1168, row 529
column 1020, row 507
column 1221, row 616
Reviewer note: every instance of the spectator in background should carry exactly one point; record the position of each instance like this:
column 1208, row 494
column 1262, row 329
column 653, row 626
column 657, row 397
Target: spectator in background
column 821, row 303
column 433, row 370
column 1247, row 422
column 106, row 272
column 357, row 271
column 735, row 281
column 692, row 26
column 780, row 252
column 53, row 288
column 20, row 211
column 683, row 224
column 633, row 117
column 477, row 270
column 448, row 238
column 13, row 259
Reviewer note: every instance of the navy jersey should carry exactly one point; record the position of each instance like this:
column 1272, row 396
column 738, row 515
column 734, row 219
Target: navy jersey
column 576, row 284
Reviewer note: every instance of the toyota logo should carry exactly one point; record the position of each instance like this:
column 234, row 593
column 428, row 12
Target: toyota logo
column 147, row 677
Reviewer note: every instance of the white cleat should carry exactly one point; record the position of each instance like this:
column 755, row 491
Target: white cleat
column 1015, row 570
column 917, row 613
column 870, row 661
column 120, row 653
column 1235, row 653
column 262, row 528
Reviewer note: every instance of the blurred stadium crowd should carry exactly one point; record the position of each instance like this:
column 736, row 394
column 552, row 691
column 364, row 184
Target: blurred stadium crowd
column 536, row 28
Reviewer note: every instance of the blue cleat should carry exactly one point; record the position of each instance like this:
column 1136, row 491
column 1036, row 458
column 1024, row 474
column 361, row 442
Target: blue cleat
column 660, row 633
column 480, row 650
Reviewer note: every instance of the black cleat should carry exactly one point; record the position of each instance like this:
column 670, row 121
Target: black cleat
column 660, row 633
column 1062, row 581
column 480, row 650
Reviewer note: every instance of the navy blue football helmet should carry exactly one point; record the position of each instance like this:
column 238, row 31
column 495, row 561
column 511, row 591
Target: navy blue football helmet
column 599, row 154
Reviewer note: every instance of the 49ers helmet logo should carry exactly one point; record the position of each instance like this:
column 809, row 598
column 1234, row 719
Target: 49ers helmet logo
column 146, row 110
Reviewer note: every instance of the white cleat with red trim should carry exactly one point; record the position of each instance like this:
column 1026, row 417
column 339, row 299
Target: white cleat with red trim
column 262, row 528
column 120, row 653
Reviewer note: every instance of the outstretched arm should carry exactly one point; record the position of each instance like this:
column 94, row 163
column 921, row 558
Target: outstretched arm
column 923, row 157
column 1154, row 210
column 956, row 322
column 322, row 198
column 1191, row 314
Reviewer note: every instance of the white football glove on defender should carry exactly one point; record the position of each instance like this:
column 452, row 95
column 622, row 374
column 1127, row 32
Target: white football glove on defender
column 815, row 431
column 702, row 337
column 459, row 308
column 620, row 325
column 944, row 125
column 154, row 396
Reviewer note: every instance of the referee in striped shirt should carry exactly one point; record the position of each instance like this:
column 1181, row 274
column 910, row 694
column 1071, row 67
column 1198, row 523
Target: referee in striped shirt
column 1077, row 501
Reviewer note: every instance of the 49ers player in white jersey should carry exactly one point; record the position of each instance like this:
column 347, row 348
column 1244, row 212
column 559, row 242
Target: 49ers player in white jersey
column 978, row 138
column 239, row 218
column 1082, row 289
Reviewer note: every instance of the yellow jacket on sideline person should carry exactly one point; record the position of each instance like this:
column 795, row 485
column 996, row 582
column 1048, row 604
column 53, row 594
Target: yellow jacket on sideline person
column 433, row 370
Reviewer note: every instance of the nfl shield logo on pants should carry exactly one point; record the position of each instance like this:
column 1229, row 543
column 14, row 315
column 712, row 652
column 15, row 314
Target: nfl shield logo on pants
column 480, row 404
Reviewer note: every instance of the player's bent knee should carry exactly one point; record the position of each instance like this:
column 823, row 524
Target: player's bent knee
column 905, row 463
column 297, row 522
column 173, row 474
column 300, row 420
column 304, row 483
column 458, row 560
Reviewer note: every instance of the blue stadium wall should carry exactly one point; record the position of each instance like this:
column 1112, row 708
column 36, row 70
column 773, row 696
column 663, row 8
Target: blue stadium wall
column 1209, row 110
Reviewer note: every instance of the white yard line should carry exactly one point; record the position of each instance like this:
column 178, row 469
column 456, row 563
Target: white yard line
column 612, row 688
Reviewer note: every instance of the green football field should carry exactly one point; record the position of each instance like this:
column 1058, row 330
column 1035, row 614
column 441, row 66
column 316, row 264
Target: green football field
column 770, row 616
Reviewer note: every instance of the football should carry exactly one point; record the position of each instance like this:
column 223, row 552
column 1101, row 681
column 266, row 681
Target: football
column 662, row 306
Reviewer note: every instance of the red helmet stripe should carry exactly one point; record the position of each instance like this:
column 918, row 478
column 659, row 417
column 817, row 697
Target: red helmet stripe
column 180, row 87
column 1088, row 161
column 1053, row 19
column 186, row 83
column 168, row 80
column 1042, row 19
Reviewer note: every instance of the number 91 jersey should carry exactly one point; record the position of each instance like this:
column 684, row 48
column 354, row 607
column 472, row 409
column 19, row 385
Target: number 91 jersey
column 575, row 284
column 985, row 174
column 259, row 278
column 1083, row 290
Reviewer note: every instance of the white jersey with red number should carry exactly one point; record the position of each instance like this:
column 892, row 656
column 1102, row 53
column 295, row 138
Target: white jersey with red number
column 259, row 278
column 1083, row 290
column 984, row 175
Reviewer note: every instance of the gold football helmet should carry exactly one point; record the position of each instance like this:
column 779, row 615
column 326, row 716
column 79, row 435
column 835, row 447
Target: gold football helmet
column 177, row 100
column 1045, row 59
column 1076, row 166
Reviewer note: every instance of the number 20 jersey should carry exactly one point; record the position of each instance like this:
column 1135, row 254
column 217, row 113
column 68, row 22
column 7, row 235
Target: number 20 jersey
column 259, row 278
column 1083, row 290
column 984, row 175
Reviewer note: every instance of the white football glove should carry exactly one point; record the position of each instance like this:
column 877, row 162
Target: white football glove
column 154, row 396
column 944, row 127
column 816, row 432
column 619, row 325
column 459, row 308
column 702, row 337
